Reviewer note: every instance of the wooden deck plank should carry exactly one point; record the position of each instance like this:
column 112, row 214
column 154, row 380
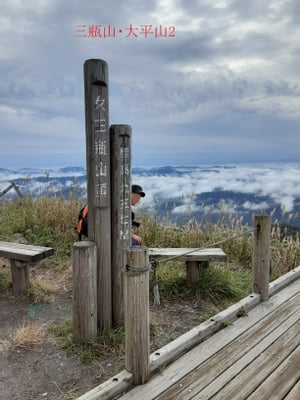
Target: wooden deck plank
column 206, row 373
column 195, row 336
column 199, row 333
column 238, row 381
column 200, row 354
column 281, row 381
column 294, row 394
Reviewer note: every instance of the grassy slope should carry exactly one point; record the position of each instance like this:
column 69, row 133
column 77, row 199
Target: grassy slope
column 50, row 221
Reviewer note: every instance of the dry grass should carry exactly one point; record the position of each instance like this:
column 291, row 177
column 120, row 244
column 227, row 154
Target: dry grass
column 45, row 221
column 285, row 250
column 70, row 394
column 27, row 336
column 41, row 291
column 50, row 221
column 231, row 235
column 4, row 345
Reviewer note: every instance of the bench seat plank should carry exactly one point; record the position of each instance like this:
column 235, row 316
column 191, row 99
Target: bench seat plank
column 188, row 254
column 24, row 252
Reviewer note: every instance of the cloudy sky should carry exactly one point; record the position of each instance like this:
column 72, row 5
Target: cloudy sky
column 223, row 85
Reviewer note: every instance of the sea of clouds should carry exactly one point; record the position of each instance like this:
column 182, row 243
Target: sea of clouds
column 261, row 184
column 280, row 182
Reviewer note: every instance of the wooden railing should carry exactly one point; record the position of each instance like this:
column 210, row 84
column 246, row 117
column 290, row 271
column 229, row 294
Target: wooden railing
column 136, row 294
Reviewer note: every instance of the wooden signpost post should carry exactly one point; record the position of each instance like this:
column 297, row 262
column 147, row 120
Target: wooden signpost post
column 98, row 181
column 137, row 326
column 84, row 290
column 261, row 255
column 120, row 139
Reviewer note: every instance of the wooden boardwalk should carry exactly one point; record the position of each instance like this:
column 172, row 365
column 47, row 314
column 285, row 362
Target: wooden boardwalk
column 257, row 357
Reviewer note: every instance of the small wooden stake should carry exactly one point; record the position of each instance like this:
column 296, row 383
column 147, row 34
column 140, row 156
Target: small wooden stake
column 84, row 290
column 261, row 255
column 137, row 327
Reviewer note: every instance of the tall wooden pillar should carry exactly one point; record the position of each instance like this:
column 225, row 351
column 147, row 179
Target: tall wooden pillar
column 98, row 181
column 120, row 136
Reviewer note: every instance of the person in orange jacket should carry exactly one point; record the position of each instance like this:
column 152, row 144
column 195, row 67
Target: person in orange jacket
column 136, row 194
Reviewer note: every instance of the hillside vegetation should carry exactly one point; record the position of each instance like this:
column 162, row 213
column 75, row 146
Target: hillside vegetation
column 50, row 221
column 45, row 325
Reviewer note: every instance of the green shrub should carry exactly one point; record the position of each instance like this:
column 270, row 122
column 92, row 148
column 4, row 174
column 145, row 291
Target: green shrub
column 50, row 221
column 215, row 284
column 5, row 282
column 89, row 350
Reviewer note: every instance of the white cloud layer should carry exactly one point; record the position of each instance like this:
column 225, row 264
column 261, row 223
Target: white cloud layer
column 182, row 191
column 280, row 182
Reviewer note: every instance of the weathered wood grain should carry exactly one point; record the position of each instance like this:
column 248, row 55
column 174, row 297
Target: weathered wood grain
column 211, row 347
column 84, row 290
column 192, row 271
column 24, row 252
column 193, row 258
column 98, row 181
column 120, row 145
column 241, row 378
column 188, row 254
column 111, row 388
column 137, row 325
column 284, row 281
column 282, row 381
column 261, row 255
column 294, row 393
column 21, row 257
column 20, row 272
column 196, row 335
column 223, row 366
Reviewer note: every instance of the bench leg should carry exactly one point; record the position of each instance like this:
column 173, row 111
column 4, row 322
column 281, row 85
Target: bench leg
column 192, row 272
column 192, row 269
column 20, row 272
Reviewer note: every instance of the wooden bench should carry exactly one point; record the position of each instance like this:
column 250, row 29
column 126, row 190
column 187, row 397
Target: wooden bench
column 21, row 256
column 193, row 258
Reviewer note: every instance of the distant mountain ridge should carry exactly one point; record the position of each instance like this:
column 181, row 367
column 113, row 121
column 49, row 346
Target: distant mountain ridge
column 181, row 191
column 174, row 171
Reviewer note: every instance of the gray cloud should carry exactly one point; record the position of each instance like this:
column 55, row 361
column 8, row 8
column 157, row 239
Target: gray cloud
column 227, row 85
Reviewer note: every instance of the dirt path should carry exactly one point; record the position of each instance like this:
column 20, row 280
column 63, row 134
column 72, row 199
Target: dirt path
column 44, row 370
